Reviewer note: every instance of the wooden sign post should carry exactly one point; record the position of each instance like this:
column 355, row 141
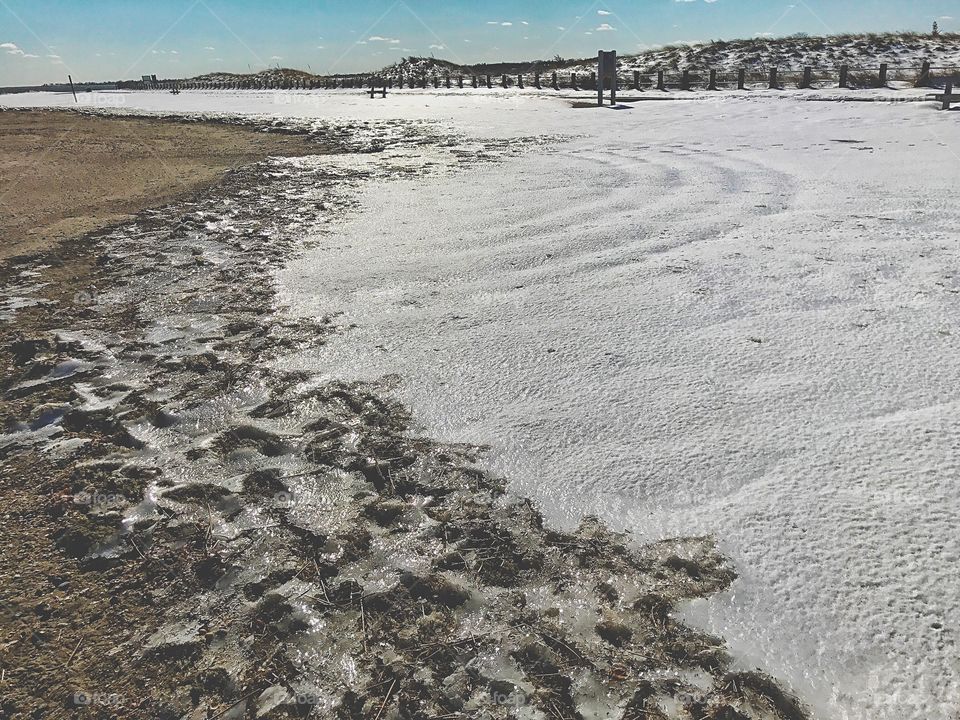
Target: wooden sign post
column 607, row 70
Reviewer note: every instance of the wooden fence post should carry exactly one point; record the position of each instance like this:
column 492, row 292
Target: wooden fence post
column 947, row 93
column 460, row 81
column 474, row 81
column 924, row 79
column 685, row 80
column 713, row 80
column 436, row 81
column 807, row 81
column 774, row 83
column 489, row 82
column 573, row 81
column 883, row 74
column 423, row 82
column 536, row 81
column 556, row 82
column 636, row 80
column 593, row 81
column 503, row 81
column 447, row 80
column 742, row 79
column 844, row 72
column 520, row 81
column 661, row 84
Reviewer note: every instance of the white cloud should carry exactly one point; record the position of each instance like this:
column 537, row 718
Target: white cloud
column 506, row 24
column 380, row 38
column 276, row 57
column 604, row 12
column 605, row 27
column 210, row 49
column 438, row 47
column 12, row 49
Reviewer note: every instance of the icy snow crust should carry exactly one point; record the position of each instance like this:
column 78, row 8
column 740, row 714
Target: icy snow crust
column 719, row 320
column 735, row 317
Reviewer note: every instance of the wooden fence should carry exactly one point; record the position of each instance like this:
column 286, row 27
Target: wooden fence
column 714, row 79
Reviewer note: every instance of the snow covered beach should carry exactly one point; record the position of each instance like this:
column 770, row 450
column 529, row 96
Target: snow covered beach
column 733, row 317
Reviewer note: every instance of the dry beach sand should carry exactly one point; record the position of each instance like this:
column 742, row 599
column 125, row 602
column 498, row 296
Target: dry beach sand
column 65, row 174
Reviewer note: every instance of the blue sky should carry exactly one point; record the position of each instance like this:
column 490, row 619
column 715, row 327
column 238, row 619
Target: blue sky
column 43, row 40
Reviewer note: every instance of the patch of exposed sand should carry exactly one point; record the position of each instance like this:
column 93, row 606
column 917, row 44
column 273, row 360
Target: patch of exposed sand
column 63, row 174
